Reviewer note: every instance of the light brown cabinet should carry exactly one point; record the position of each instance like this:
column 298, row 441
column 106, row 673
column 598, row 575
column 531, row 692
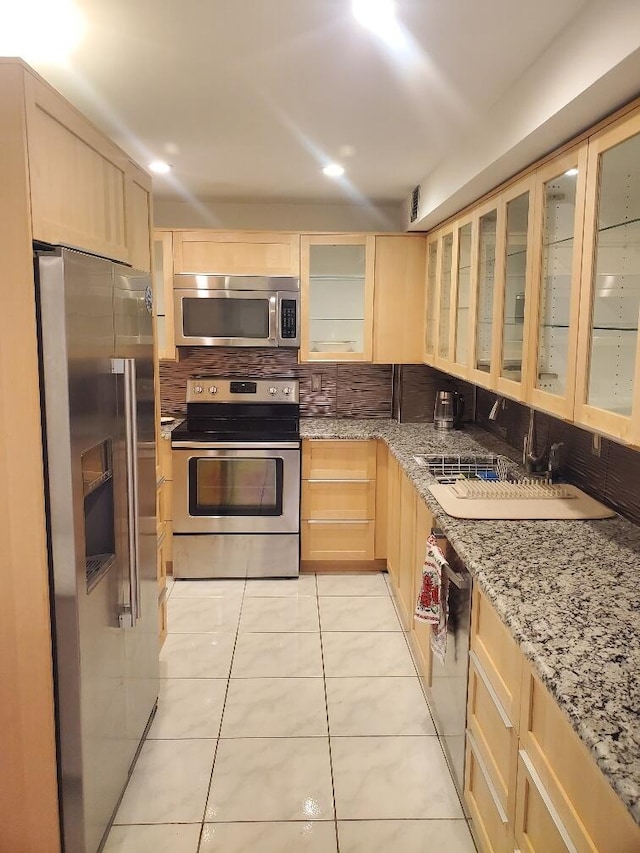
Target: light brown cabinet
column 62, row 182
column 164, row 513
column 163, row 295
column 338, row 507
column 530, row 782
column 236, row 253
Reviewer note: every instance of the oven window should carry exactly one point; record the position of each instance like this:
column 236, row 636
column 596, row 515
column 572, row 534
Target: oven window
column 235, row 486
column 215, row 317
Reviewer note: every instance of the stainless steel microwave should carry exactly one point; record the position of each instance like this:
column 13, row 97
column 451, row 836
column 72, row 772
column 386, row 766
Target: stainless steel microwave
column 236, row 311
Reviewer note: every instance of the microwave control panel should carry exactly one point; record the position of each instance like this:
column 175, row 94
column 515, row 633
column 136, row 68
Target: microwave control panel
column 288, row 323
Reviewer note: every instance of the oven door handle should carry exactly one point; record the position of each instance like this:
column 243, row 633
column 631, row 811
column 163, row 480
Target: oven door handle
column 236, row 445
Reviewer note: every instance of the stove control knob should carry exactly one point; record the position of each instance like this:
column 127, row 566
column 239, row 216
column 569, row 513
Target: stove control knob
column 213, row 389
column 197, row 389
column 273, row 390
column 287, row 390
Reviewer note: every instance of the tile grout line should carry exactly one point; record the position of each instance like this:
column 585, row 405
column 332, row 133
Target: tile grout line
column 224, row 705
column 326, row 705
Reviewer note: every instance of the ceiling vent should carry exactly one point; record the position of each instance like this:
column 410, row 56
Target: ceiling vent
column 415, row 203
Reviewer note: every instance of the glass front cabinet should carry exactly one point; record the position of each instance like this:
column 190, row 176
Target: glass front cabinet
column 431, row 301
column 459, row 326
column 559, row 205
column 608, row 380
column 337, row 297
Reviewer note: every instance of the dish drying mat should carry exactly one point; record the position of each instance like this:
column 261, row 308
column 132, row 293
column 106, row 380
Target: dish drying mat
column 497, row 490
column 577, row 505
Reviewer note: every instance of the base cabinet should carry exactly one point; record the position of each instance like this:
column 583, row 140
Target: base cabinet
column 338, row 504
column 530, row 782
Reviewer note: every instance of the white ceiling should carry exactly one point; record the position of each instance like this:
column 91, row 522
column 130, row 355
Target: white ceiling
column 249, row 98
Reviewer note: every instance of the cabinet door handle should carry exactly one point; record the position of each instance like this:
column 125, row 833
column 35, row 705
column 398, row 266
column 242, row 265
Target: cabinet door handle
column 492, row 693
column 160, row 542
column 546, row 799
column 487, row 778
column 335, row 480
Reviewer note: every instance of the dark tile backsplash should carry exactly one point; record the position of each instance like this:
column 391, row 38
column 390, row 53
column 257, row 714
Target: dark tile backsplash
column 612, row 477
column 415, row 387
column 346, row 390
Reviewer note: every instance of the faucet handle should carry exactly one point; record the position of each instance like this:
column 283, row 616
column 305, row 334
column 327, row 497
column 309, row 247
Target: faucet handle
column 555, row 457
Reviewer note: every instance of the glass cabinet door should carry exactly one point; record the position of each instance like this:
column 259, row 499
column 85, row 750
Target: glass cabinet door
column 609, row 314
column 484, row 296
column 561, row 212
column 444, row 307
column 515, row 282
column 337, row 295
column 462, row 298
column 431, row 301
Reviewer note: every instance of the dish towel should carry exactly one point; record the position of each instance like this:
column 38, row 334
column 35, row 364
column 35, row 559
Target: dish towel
column 433, row 597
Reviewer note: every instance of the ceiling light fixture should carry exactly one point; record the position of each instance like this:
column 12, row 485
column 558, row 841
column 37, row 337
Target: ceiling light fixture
column 159, row 167
column 571, row 173
column 375, row 15
column 333, row 170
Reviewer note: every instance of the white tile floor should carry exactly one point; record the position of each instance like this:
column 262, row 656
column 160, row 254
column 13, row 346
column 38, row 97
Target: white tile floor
column 290, row 720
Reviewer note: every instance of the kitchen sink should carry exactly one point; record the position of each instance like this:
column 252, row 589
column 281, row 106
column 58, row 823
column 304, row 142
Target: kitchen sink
column 448, row 469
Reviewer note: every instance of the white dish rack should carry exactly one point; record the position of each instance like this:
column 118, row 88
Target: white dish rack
column 500, row 490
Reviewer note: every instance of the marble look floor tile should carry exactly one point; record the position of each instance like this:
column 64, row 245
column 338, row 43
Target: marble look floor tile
column 404, row 836
column 275, row 707
column 355, row 613
column 302, row 585
column 362, row 584
column 189, row 708
column 277, row 656
column 208, row 588
column 169, row 783
column 202, row 615
column 196, row 655
column 297, row 837
column 366, row 653
column 377, row 706
column 299, row 613
column 161, row 838
column 265, row 779
column 392, row 778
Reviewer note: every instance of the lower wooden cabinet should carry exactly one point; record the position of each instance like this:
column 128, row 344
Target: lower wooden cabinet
column 493, row 829
column 420, row 632
column 338, row 504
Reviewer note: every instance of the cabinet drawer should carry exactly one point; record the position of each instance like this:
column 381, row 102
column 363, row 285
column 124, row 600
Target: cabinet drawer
column 538, row 828
column 326, row 500
column 494, row 735
column 337, row 540
column 164, row 456
column 338, row 460
column 491, row 823
column 498, row 654
column 593, row 814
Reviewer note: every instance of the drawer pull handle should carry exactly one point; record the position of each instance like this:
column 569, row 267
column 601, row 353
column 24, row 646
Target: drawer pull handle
column 546, row 799
column 485, row 774
column 161, row 481
column 335, row 480
column 492, row 693
column 337, row 521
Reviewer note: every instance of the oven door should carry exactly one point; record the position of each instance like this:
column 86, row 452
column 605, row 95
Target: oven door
column 236, row 488
column 231, row 318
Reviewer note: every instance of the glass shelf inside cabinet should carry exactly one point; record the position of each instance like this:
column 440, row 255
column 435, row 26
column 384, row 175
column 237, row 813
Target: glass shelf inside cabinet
column 616, row 281
column 336, row 298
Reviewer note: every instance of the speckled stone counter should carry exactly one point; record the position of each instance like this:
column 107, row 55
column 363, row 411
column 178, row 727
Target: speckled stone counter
column 568, row 590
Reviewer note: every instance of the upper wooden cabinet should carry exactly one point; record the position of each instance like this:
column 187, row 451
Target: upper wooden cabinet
column 85, row 192
column 336, row 278
column 398, row 299
column 236, row 253
column 607, row 397
column 163, row 294
column 555, row 300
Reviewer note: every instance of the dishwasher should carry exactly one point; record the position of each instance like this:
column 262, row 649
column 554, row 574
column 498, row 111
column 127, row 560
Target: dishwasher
column 447, row 693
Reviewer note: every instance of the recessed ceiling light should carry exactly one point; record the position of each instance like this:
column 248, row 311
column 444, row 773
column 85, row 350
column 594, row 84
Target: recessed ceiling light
column 375, row 15
column 333, row 170
column 570, row 173
column 160, row 167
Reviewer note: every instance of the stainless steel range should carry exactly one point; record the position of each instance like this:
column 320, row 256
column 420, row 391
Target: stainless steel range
column 236, row 479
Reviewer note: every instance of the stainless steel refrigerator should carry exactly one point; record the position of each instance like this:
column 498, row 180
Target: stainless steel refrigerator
column 96, row 350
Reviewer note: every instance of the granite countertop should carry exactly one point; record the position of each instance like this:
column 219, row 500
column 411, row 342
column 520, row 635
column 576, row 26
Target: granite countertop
column 569, row 591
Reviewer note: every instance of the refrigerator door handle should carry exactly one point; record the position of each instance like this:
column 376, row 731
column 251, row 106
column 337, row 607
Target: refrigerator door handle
column 127, row 367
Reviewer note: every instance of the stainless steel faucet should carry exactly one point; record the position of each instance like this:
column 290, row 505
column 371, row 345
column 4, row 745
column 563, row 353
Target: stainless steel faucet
column 533, row 463
column 499, row 403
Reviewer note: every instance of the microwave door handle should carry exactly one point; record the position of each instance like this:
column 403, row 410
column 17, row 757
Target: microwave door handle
column 127, row 368
column 274, row 323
